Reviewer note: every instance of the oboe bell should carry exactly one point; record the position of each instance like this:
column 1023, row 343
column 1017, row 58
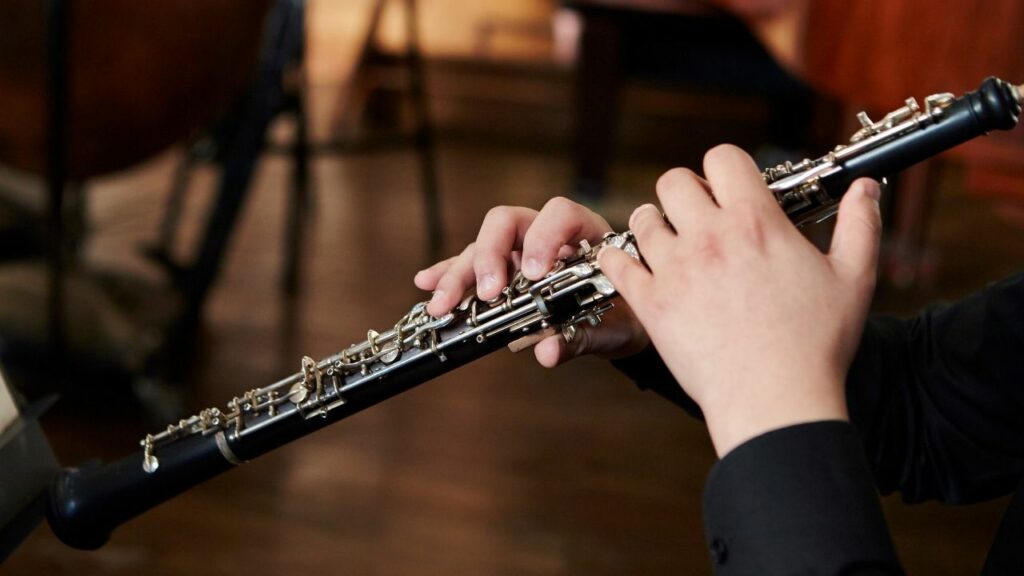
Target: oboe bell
column 88, row 503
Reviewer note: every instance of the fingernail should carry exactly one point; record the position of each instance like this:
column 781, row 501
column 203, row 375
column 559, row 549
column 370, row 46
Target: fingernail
column 486, row 283
column 873, row 190
column 437, row 296
column 532, row 267
column 642, row 207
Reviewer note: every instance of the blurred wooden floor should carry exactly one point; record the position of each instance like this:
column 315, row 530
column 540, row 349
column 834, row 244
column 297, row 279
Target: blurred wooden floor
column 498, row 468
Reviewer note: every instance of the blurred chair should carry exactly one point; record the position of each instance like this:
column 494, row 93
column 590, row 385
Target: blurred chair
column 373, row 115
column 685, row 45
column 235, row 143
column 126, row 80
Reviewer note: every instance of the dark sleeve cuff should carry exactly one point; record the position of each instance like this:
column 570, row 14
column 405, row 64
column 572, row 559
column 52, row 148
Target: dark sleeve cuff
column 649, row 372
column 799, row 500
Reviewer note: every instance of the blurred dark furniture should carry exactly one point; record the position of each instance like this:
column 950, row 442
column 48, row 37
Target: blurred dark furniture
column 873, row 54
column 868, row 55
column 94, row 87
column 686, row 44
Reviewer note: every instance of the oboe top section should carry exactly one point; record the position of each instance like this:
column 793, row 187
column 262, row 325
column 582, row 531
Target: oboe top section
column 810, row 190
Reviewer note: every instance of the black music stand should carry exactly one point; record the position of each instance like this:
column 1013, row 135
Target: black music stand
column 57, row 45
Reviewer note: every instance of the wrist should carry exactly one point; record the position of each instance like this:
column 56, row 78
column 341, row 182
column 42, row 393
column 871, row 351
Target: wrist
column 733, row 420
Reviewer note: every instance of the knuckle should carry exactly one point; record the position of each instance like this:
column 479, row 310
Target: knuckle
column 499, row 215
column 485, row 263
column 673, row 178
column 708, row 247
column 722, row 151
column 557, row 221
column 559, row 204
column 448, row 284
column 453, row 286
column 720, row 156
column 567, row 214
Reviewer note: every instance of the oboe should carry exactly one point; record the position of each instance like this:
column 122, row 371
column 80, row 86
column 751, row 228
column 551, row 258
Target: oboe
column 87, row 504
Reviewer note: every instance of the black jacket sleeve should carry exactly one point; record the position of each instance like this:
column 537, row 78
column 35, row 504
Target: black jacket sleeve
column 938, row 398
column 798, row 500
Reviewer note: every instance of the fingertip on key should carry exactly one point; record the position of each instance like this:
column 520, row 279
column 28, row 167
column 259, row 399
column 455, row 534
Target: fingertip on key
column 486, row 285
column 436, row 302
column 532, row 267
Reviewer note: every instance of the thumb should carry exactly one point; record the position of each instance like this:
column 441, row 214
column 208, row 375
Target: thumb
column 855, row 241
column 554, row 350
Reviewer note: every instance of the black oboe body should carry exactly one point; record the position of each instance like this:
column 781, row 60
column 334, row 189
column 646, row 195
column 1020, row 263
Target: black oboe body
column 810, row 190
column 87, row 504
